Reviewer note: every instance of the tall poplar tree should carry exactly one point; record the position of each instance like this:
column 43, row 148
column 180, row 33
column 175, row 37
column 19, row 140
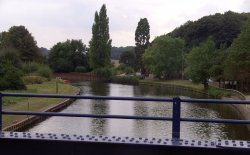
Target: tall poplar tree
column 142, row 36
column 100, row 44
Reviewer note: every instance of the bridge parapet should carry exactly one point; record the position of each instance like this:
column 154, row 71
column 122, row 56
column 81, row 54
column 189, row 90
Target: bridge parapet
column 51, row 143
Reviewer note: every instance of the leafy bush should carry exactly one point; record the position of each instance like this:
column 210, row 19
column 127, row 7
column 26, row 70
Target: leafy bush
column 125, row 68
column 125, row 80
column 104, row 73
column 33, row 79
column 34, row 68
column 80, row 69
column 30, row 67
column 10, row 56
column 44, row 71
column 10, row 77
column 218, row 93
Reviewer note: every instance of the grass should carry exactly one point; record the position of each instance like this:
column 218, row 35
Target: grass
column 184, row 83
column 212, row 91
column 34, row 104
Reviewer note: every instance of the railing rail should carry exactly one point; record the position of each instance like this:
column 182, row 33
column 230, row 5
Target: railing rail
column 176, row 111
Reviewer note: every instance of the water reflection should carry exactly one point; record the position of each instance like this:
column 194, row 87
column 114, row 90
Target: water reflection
column 99, row 126
column 140, row 128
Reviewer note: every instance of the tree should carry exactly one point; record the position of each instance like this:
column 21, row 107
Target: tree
column 117, row 51
column 10, row 77
column 10, row 56
column 200, row 61
column 79, row 51
column 128, row 58
column 67, row 56
column 223, row 28
column 237, row 64
column 19, row 38
column 165, row 57
column 218, row 67
column 142, row 36
column 100, row 44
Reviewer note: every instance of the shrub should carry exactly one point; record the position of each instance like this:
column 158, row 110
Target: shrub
column 33, row 79
column 218, row 93
column 62, row 65
column 80, row 69
column 128, row 70
column 30, row 67
column 44, row 71
column 104, row 73
column 10, row 77
column 125, row 80
column 34, row 68
column 125, row 68
column 10, row 56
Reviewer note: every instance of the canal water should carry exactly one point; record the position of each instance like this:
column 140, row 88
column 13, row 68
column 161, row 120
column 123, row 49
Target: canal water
column 141, row 128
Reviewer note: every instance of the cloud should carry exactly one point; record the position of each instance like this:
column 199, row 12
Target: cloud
column 58, row 20
column 246, row 6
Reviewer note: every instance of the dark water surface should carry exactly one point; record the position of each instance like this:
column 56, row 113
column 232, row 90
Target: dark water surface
column 140, row 128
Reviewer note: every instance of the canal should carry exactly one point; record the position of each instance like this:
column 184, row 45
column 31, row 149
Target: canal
column 141, row 128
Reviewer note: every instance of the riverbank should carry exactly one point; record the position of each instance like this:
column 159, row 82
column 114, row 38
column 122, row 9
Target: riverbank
column 184, row 83
column 243, row 110
column 180, row 88
column 35, row 104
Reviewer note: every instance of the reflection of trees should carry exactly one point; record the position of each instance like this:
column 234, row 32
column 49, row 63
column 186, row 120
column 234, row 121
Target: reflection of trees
column 99, row 88
column 99, row 126
column 164, row 90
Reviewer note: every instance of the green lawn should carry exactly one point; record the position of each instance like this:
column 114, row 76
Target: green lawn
column 34, row 104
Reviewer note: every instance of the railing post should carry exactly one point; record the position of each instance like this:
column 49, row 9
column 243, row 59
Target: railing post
column 1, row 105
column 176, row 118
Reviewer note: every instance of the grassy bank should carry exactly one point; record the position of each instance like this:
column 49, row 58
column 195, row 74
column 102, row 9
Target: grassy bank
column 184, row 83
column 34, row 104
column 212, row 91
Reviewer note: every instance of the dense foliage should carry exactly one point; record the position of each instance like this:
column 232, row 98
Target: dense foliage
column 142, row 36
column 123, row 68
column 19, row 38
column 67, row 56
column 117, row 51
column 165, row 57
column 100, row 43
column 18, row 47
column 223, row 28
column 128, row 58
column 10, row 77
column 200, row 60
column 104, row 73
column 237, row 64
column 37, row 69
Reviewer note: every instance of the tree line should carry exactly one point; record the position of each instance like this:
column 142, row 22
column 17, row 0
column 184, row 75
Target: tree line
column 215, row 46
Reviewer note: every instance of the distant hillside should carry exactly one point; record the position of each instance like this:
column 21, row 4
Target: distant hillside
column 117, row 51
column 224, row 28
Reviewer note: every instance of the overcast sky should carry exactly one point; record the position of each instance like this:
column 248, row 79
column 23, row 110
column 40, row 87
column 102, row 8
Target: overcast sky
column 51, row 21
